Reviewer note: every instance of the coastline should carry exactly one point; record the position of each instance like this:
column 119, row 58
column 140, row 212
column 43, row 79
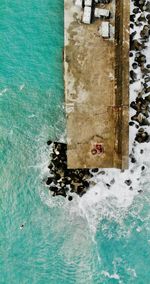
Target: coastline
column 139, row 136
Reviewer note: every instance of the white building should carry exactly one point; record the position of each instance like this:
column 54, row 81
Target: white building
column 105, row 29
column 88, row 3
column 78, row 3
column 98, row 13
column 87, row 15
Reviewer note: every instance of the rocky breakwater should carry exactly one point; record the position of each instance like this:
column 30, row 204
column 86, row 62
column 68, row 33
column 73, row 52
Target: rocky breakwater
column 139, row 45
column 64, row 181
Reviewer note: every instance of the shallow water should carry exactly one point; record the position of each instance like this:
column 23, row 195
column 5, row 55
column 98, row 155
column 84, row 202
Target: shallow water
column 90, row 240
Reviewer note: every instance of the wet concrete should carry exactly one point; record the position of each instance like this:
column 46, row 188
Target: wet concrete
column 96, row 89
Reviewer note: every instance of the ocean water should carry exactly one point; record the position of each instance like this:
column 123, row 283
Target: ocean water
column 103, row 237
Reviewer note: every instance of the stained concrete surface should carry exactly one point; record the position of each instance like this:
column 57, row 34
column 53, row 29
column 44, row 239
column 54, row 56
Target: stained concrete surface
column 96, row 89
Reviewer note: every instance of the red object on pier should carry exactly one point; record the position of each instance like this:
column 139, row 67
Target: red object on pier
column 97, row 149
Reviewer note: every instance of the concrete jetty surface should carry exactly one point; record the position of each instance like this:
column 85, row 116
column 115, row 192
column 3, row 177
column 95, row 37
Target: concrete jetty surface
column 96, row 72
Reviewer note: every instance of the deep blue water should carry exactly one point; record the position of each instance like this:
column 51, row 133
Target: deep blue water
column 56, row 245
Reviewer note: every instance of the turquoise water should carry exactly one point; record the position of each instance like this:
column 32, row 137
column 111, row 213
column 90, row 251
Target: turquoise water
column 57, row 244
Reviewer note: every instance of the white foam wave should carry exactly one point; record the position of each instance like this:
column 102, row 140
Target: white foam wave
column 101, row 201
column 21, row 87
column 111, row 276
column 2, row 92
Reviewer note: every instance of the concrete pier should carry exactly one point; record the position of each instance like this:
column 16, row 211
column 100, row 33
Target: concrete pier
column 96, row 72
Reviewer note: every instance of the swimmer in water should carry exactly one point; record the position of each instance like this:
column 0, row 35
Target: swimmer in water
column 22, row 226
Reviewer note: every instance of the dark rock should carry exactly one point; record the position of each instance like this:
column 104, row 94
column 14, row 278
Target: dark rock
column 138, row 23
column 63, row 178
column 82, row 193
column 80, row 189
column 131, row 188
column 131, row 26
column 133, row 105
column 142, row 136
column 147, row 90
column 95, row 170
column 132, row 18
column 72, row 186
column 112, row 181
column 108, row 185
column 140, row 59
column 145, row 32
column 49, row 142
column 67, row 180
column 143, row 168
column 130, row 54
column 53, row 188
column 70, row 197
column 147, row 79
column 142, row 18
column 136, row 45
column 49, row 180
column 102, row 172
column 140, row 191
column 132, row 35
column 134, row 65
column 140, row 119
column 133, row 160
column 131, row 123
column 145, row 71
column 128, row 182
column 61, row 192
column 136, row 10
column 133, row 75
column 50, row 166
column 85, row 183
column 57, row 176
column 147, row 98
